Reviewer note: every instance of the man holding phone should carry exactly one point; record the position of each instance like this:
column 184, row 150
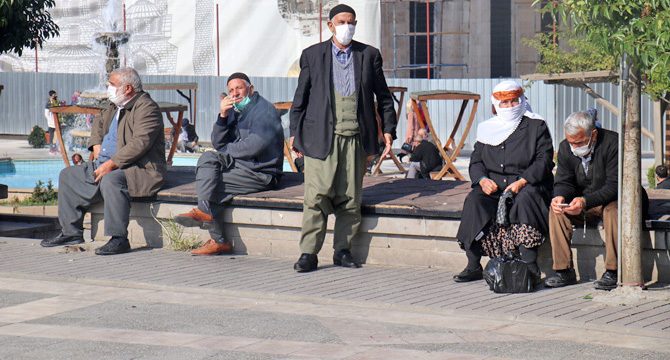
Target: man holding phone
column 585, row 190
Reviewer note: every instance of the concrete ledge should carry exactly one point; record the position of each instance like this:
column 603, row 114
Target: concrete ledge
column 384, row 239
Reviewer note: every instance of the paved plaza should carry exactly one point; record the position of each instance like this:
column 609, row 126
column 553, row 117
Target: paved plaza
column 161, row 304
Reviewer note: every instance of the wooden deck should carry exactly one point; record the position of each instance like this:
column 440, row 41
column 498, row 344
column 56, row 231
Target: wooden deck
column 381, row 195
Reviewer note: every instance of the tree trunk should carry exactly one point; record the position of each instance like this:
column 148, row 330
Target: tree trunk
column 631, row 200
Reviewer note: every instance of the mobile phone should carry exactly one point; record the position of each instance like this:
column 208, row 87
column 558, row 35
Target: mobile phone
column 563, row 205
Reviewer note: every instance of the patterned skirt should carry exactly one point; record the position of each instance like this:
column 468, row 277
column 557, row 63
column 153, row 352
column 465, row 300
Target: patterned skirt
column 506, row 239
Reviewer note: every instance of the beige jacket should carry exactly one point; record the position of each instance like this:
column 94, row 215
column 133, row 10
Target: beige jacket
column 140, row 146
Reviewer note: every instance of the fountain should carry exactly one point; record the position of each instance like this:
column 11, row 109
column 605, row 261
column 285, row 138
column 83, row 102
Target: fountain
column 92, row 101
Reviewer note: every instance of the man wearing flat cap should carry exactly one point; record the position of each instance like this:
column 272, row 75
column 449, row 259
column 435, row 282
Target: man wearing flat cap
column 249, row 143
column 333, row 125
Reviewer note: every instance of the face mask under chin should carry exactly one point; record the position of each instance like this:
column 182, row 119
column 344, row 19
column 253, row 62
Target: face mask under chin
column 582, row 151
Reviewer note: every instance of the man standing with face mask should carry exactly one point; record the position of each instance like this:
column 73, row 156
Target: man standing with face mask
column 128, row 148
column 249, row 142
column 585, row 190
column 333, row 125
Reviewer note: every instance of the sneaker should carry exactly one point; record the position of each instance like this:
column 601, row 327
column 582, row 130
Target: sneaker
column 562, row 278
column 608, row 281
column 212, row 247
column 194, row 218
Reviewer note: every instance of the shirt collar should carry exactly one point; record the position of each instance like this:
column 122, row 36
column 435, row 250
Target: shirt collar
column 336, row 50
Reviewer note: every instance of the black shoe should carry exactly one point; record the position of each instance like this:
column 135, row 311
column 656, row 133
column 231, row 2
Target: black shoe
column 306, row 263
column 117, row 245
column 562, row 278
column 607, row 282
column 61, row 240
column 469, row 275
column 345, row 259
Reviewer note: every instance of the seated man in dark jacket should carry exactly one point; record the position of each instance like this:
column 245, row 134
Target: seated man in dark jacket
column 585, row 189
column 249, row 139
column 662, row 181
column 425, row 157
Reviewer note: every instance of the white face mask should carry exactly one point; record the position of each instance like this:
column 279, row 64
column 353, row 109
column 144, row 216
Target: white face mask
column 113, row 95
column 582, row 151
column 511, row 113
column 344, row 33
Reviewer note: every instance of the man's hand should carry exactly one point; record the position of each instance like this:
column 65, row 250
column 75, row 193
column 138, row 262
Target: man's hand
column 388, row 141
column 516, row 186
column 576, row 206
column 226, row 104
column 104, row 169
column 96, row 151
column 556, row 204
column 290, row 144
column 488, row 186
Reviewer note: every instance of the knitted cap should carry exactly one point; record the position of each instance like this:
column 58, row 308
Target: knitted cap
column 341, row 8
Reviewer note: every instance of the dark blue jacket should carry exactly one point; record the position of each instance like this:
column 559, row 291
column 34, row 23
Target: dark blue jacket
column 254, row 137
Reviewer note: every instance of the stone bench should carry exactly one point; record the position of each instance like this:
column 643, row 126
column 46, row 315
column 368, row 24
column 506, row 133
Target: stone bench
column 405, row 222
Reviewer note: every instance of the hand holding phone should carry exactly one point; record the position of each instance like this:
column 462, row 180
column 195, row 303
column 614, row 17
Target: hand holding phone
column 562, row 205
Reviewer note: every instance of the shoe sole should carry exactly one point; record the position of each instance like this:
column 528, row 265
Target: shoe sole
column 304, row 270
column 214, row 254
column 112, row 253
column 190, row 222
column 72, row 242
column 460, row 280
column 352, row 266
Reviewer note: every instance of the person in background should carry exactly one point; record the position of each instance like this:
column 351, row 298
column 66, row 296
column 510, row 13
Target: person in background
column 188, row 139
column 662, row 181
column 49, row 116
column 77, row 159
column 424, row 158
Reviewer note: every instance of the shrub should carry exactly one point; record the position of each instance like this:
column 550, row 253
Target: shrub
column 44, row 194
column 37, row 138
column 651, row 176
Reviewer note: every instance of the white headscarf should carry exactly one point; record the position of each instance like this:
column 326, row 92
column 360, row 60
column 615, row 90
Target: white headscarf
column 498, row 128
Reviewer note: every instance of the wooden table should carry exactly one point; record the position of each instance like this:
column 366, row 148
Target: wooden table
column 451, row 149
column 166, row 108
column 376, row 170
column 192, row 97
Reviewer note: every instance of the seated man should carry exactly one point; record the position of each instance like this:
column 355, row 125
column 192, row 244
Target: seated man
column 128, row 160
column 662, row 181
column 249, row 139
column 425, row 157
column 188, row 139
column 585, row 189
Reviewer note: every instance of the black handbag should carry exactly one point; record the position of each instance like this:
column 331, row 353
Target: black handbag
column 508, row 273
column 406, row 147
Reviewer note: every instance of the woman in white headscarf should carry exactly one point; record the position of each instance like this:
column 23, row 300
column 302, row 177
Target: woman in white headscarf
column 514, row 153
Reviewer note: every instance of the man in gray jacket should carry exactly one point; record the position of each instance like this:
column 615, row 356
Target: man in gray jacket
column 128, row 148
column 249, row 139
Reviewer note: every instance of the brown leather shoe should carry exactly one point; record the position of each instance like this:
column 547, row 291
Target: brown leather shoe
column 212, row 247
column 194, row 218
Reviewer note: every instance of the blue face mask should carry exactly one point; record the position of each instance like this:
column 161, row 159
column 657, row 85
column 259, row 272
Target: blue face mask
column 240, row 106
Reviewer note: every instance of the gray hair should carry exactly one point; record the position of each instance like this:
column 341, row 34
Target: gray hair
column 580, row 120
column 129, row 76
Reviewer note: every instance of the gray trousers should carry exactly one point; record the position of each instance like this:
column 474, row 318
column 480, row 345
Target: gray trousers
column 77, row 192
column 218, row 177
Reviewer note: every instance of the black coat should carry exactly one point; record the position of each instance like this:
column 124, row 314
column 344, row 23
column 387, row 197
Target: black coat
column 599, row 186
column 527, row 153
column 313, row 113
column 428, row 155
column 665, row 184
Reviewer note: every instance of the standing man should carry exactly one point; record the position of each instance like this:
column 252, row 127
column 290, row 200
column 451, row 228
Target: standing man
column 585, row 189
column 51, row 124
column 128, row 148
column 249, row 142
column 333, row 125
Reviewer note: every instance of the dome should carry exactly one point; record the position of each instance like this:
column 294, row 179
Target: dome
column 143, row 9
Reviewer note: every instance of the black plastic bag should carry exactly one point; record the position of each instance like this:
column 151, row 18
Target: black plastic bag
column 509, row 275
